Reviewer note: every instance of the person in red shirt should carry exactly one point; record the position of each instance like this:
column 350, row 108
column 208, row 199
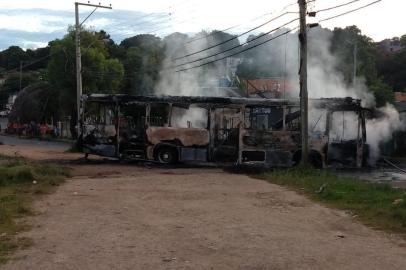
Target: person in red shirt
column 43, row 129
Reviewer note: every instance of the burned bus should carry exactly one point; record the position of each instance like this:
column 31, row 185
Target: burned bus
column 171, row 129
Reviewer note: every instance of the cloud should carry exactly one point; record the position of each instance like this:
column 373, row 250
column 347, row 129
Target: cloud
column 25, row 39
column 164, row 17
column 31, row 28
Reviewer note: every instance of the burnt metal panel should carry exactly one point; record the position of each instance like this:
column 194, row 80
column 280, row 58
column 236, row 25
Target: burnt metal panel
column 193, row 154
column 186, row 136
column 105, row 150
column 253, row 155
column 275, row 158
column 204, row 101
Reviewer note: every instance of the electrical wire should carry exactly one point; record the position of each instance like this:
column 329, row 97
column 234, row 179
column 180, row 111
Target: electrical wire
column 236, row 53
column 168, row 17
column 350, row 11
column 338, row 6
column 203, row 58
column 240, row 45
column 164, row 16
column 238, row 25
column 234, row 37
column 268, row 40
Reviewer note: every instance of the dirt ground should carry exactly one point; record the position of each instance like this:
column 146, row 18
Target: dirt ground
column 112, row 216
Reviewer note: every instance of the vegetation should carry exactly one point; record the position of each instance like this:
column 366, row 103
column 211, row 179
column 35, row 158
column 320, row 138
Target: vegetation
column 134, row 66
column 20, row 182
column 377, row 205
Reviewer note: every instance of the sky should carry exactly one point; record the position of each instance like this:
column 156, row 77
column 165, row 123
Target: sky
column 32, row 24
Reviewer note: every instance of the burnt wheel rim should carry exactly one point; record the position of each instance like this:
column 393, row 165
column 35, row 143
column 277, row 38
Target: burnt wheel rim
column 165, row 156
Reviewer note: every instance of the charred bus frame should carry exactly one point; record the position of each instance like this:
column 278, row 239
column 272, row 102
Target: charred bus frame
column 238, row 130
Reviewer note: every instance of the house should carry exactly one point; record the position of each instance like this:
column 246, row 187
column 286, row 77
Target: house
column 274, row 87
column 390, row 46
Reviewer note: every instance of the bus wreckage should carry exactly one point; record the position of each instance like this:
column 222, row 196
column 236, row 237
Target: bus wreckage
column 171, row 129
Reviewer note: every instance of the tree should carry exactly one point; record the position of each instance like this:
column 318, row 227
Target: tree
column 142, row 62
column 382, row 92
column 37, row 102
column 403, row 41
column 12, row 85
column 342, row 46
column 100, row 73
column 11, row 58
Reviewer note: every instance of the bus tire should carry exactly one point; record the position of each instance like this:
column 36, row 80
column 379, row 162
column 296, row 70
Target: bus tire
column 315, row 159
column 167, row 155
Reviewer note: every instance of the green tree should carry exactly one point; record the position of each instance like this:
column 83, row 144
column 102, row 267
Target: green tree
column 142, row 62
column 37, row 102
column 12, row 85
column 342, row 46
column 11, row 58
column 403, row 41
column 100, row 73
column 382, row 92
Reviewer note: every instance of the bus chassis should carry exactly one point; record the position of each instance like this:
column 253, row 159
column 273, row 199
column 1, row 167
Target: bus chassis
column 171, row 129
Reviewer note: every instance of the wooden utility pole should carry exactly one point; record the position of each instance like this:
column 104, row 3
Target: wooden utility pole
column 78, row 65
column 354, row 75
column 78, row 26
column 303, row 80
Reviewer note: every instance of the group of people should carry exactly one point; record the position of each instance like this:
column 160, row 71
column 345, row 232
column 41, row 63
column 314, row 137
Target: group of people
column 32, row 129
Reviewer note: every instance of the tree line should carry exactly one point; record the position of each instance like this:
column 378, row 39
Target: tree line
column 133, row 66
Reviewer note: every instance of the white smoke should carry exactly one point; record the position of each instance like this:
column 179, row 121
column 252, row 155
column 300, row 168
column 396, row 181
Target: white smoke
column 324, row 81
column 380, row 130
column 193, row 82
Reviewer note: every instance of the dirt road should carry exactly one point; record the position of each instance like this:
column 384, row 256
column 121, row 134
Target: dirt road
column 127, row 217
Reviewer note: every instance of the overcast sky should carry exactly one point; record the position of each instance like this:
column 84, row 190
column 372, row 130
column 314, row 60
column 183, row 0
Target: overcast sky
column 32, row 24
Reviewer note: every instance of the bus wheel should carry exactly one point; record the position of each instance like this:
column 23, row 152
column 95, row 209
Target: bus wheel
column 167, row 155
column 315, row 160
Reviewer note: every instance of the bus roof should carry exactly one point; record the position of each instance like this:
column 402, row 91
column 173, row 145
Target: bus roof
column 347, row 103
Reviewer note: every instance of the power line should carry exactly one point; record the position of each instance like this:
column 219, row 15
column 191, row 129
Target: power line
column 268, row 40
column 240, row 45
column 244, row 50
column 238, row 25
column 350, row 11
column 338, row 6
column 234, row 37
column 167, row 26
column 166, row 18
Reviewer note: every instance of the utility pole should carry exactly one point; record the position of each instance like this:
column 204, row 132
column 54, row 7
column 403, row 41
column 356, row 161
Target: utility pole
column 78, row 26
column 303, row 80
column 78, row 65
column 355, row 63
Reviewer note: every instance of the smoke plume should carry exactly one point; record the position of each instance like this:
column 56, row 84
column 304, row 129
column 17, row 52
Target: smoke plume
column 280, row 59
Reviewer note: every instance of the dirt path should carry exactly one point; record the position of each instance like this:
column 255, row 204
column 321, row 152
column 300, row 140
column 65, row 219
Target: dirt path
column 126, row 217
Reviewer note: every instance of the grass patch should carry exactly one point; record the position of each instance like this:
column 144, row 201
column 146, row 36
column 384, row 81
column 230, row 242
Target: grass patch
column 20, row 182
column 377, row 205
